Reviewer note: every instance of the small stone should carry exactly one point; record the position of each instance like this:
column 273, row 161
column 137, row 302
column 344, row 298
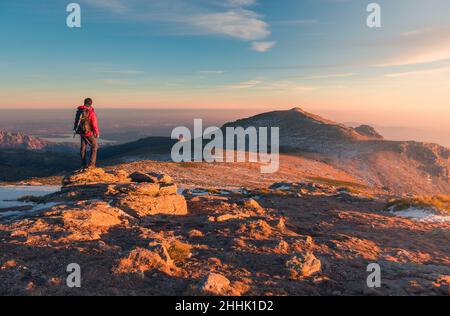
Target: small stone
column 282, row 247
column 140, row 177
column 281, row 224
column 215, row 284
column 304, row 265
column 141, row 260
column 194, row 233
column 251, row 204
column 160, row 178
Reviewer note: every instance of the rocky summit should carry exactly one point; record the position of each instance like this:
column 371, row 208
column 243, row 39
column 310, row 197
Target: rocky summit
column 133, row 233
column 137, row 194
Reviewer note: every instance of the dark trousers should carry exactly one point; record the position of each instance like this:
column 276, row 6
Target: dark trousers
column 90, row 141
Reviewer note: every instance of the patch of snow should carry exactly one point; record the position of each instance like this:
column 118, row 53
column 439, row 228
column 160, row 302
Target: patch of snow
column 422, row 215
column 10, row 194
column 197, row 192
column 37, row 208
column 284, row 188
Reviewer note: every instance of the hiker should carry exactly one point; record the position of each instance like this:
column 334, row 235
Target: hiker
column 86, row 126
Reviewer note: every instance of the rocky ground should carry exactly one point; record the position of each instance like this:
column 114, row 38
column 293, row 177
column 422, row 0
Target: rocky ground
column 136, row 233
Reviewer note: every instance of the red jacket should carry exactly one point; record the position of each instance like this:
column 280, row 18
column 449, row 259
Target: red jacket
column 92, row 120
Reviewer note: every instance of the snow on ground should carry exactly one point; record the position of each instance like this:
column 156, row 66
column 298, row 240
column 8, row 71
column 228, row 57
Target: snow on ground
column 10, row 194
column 423, row 215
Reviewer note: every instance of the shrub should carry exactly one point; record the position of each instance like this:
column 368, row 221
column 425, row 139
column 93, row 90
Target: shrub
column 439, row 202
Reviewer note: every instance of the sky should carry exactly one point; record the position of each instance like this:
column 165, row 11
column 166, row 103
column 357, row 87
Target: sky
column 232, row 54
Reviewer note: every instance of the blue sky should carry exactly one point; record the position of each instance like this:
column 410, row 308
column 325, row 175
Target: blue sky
column 262, row 54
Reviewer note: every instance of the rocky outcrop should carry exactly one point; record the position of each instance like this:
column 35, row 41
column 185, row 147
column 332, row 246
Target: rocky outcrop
column 150, row 199
column 252, row 242
column 137, row 194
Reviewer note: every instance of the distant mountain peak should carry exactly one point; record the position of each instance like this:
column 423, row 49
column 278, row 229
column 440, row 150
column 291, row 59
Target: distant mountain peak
column 301, row 129
column 10, row 140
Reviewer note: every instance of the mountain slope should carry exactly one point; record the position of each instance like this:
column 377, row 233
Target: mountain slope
column 401, row 166
column 303, row 130
column 133, row 233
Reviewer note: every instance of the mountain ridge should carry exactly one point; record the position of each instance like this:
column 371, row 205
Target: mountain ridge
column 401, row 166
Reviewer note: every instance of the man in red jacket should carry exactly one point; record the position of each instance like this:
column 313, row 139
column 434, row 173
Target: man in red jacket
column 86, row 125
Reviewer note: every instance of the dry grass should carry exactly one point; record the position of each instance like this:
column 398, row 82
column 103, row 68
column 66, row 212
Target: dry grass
column 189, row 164
column 179, row 251
column 338, row 183
column 439, row 202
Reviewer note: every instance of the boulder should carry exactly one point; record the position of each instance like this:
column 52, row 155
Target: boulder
column 251, row 204
column 138, row 194
column 215, row 284
column 151, row 177
column 144, row 199
column 141, row 260
column 304, row 265
column 142, row 205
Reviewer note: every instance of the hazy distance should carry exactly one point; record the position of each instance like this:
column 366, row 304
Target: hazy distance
column 123, row 125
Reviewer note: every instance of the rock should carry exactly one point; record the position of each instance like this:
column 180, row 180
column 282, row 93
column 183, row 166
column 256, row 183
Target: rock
column 179, row 251
column 282, row 247
column 141, row 177
column 215, row 284
column 144, row 199
column 227, row 217
column 142, row 205
column 194, row 233
column 251, row 204
column 304, row 265
column 95, row 175
column 281, row 225
column 141, row 260
column 83, row 192
column 259, row 229
column 89, row 222
column 148, row 189
column 151, row 177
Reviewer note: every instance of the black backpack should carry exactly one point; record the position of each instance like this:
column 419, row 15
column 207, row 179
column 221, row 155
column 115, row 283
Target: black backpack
column 82, row 122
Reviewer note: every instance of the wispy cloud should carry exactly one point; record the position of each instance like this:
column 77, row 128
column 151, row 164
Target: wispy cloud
column 263, row 47
column 241, row 3
column 441, row 70
column 244, row 84
column 330, row 76
column 419, row 47
column 271, row 86
column 211, row 72
column 115, row 82
column 130, row 72
column 233, row 18
column 241, row 24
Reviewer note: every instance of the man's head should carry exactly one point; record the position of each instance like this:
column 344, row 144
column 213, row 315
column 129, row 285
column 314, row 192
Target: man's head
column 88, row 102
